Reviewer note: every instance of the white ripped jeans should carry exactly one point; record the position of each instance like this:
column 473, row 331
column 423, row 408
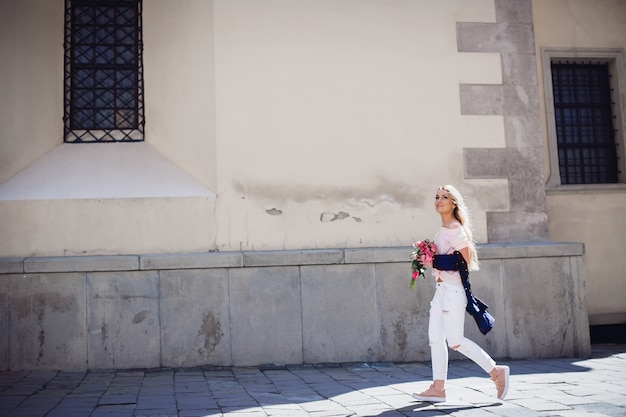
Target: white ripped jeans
column 446, row 323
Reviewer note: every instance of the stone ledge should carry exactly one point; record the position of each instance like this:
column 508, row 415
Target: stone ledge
column 270, row 258
column 529, row 250
column 11, row 265
column 607, row 319
column 191, row 260
column 586, row 189
column 378, row 255
column 81, row 263
column 294, row 257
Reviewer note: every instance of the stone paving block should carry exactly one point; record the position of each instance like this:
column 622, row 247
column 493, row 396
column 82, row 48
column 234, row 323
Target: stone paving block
column 538, row 387
column 112, row 399
column 114, row 411
column 123, row 320
column 70, row 411
column 339, row 313
column 195, row 317
column 265, row 310
column 200, row 412
column 47, row 328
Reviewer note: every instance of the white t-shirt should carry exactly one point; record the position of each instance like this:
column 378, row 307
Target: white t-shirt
column 447, row 241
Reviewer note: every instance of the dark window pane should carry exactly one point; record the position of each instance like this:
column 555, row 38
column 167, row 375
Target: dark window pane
column 103, row 63
column 584, row 123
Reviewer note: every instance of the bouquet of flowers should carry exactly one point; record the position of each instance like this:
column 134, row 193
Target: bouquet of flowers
column 421, row 258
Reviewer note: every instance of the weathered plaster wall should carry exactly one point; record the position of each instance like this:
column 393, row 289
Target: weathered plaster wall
column 596, row 218
column 180, row 84
column 592, row 214
column 31, row 82
column 337, row 121
column 69, row 199
column 315, row 136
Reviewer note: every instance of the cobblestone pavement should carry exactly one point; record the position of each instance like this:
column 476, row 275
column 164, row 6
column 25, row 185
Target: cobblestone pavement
column 546, row 387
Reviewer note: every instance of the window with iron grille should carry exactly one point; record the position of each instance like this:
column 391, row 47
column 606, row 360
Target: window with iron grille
column 583, row 112
column 103, row 71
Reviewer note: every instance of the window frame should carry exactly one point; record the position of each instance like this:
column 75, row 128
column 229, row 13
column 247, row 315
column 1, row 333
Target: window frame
column 116, row 133
column 616, row 59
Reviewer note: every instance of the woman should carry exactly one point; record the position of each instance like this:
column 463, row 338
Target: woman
column 447, row 309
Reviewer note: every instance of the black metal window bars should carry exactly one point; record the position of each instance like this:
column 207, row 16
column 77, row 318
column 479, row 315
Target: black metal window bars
column 584, row 122
column 103, row 71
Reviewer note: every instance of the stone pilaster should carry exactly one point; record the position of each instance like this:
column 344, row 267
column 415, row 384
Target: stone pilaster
column 517, row 101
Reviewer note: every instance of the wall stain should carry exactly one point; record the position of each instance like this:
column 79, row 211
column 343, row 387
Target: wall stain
column 331, row 217
column 139, row 317
column 39, row 305
column 209, row 335
column 24, row 306
column 274, row 212
column 103, row 331
column 41, row 338
column 381, row 191
column 400, row 335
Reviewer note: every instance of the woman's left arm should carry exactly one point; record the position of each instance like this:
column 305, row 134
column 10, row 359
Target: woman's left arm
column 466, row 254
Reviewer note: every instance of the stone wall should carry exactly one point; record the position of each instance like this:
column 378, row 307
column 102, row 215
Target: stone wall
column 276, row 307
column 516, row 99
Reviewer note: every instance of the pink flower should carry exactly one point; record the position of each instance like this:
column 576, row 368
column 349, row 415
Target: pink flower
column 421, row 258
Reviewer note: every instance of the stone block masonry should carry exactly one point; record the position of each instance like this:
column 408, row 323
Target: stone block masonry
column 517, row 101
column 276, row 307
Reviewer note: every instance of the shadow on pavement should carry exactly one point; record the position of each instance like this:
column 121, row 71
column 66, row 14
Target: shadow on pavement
column 427, row 409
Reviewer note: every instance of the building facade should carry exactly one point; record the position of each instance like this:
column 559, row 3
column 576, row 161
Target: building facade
column 188, row 182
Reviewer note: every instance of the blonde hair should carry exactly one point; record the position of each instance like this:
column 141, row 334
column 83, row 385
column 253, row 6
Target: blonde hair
column 461, row 213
